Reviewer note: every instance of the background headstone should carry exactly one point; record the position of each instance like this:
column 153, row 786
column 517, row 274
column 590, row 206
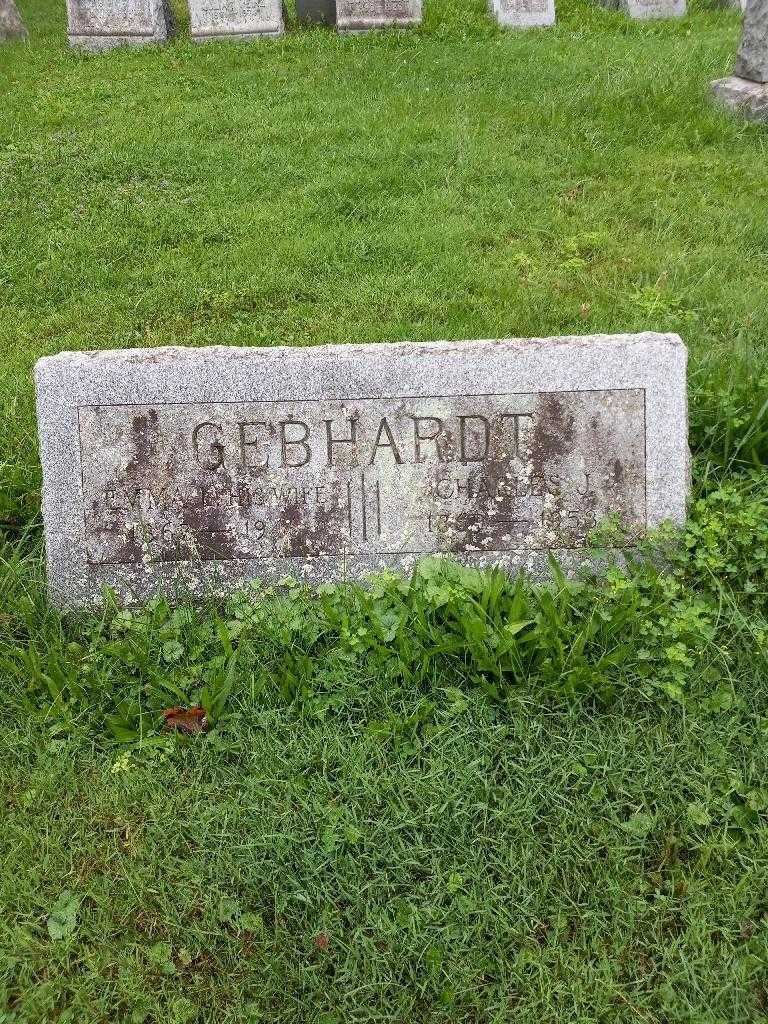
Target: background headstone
column 752, row 55
column 235, row 19
column 205, row 468
column 746, row 91
column 523, row 13
column 316, row 12
column 11, row 25
column 642, row 10
column 98, row 25
column 363, row 15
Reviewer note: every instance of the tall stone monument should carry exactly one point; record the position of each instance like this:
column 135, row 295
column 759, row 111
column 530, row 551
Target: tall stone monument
column 200, row 469
column 523, row 13
column 746, row 91
column 11, row 25
column 235, row 19
column 364, row 15
column 97, row 25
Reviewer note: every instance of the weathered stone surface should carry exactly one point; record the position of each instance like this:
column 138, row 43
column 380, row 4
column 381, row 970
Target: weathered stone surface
column 750, row 99
column 363, row 15
column 97, row 25
column 11, row 25
column 647, row 9
column 235, row 19
column 752, row 55
column 204, row 468
column 523, row 13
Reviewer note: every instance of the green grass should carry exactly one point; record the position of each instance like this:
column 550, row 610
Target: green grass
column 406, row 811
column 525, row 868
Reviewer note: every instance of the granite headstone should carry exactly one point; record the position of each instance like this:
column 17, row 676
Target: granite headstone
column 523, row 13
column 746, row 91
column 235, row 19
column 643, row 10
column 97, row 25
column 11, row 25
column 205, row 468
column 364, row 15
column 752, row 55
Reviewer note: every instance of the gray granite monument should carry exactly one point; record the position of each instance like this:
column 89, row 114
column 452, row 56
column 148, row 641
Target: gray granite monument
column 364, row 15
column 523, row 13
column 202, row 469
column 643, row 10
column 11, row 25
column 746, row 91
column 97, row 25
column 235, row 19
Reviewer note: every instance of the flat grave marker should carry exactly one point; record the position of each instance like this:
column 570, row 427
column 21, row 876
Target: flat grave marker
column 97, row 25
column 204, row 468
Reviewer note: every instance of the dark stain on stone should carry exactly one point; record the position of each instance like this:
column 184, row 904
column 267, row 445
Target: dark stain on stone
column 210, row 523
column 554, row 432
column 324, row 533
column 293, row 516
column 144, row 439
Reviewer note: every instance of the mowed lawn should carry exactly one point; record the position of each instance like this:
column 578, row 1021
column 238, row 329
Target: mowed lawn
column 400, row 844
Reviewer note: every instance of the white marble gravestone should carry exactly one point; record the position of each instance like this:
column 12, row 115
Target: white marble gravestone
column 746, row 91
column 98, row 25
column 235, row 19
column 523, row 13
column 201, row 469
column 364, row 15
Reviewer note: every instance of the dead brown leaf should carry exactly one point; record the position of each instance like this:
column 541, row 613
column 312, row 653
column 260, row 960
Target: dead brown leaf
column 186, row 720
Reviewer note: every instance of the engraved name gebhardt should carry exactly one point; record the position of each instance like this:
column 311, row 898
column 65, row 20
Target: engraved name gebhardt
column 402, row 475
